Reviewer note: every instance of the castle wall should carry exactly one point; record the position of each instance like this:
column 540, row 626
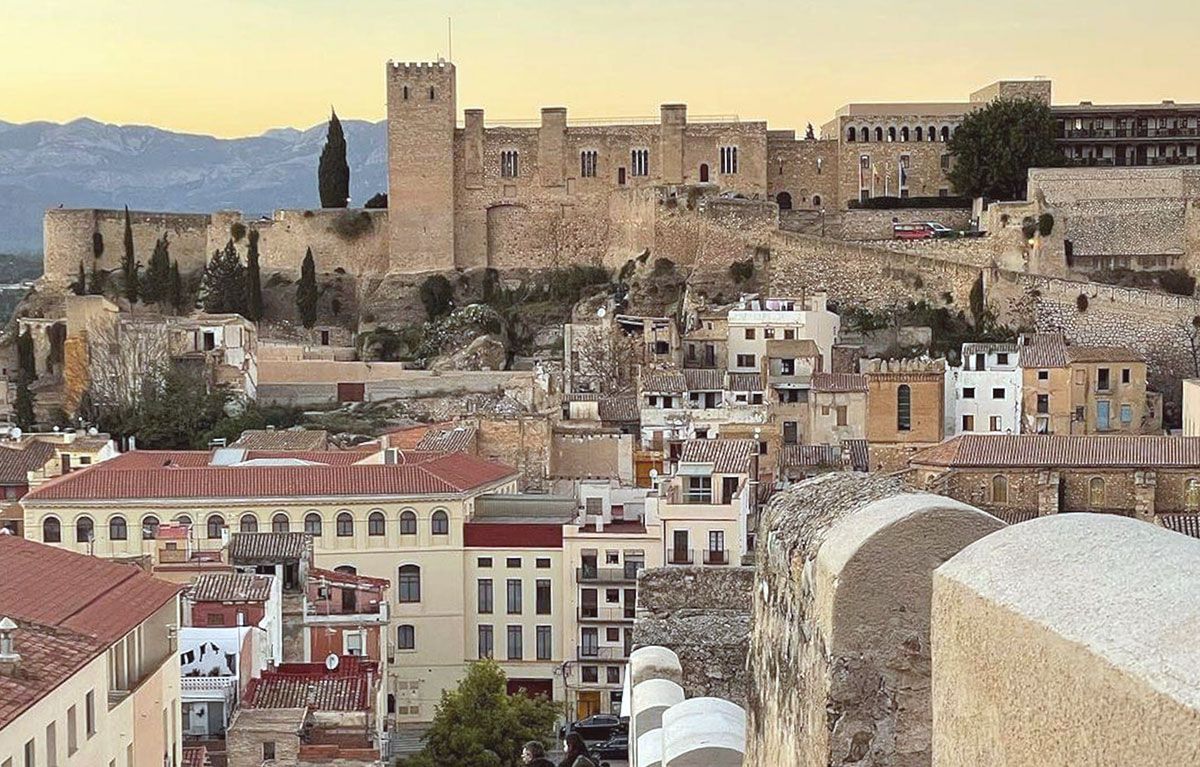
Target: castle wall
column 926, row 169
column 868, row 224
column 805, row 170
column 67, row 239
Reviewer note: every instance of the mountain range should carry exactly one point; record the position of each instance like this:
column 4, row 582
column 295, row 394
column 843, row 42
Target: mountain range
column 87, row 164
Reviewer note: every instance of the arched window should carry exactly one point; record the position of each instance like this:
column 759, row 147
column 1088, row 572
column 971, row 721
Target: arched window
column 431, row 93
column 280, row 523
column 903, row 408
column 183, row 519
column 932, row 133
column 249, row 524
column 406, row 637
column 587, row 163
column 440, row 523
column 1096, row 492
column 376, row 524
column 816, row 200
column 215, row 526
column 149, row 527
column 703, row 173
column 864, row 135
column 346, row 569
column 920, row 134
column 999, row 489
column 406, row 93
column 904, row 133
column 945, row 133
column 879, row 134
column 408, row 523
column 410, row 584
column 510, row 164
column 312, row 523
column 84, row 530
column 117, row 529
column 1193, row 494
column 51, row 530
column 345, row 525
column 891, row 134
column 784, row 201
column 850, row 134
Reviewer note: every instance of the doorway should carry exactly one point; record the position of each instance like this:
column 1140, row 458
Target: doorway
column 703, row 173
column 588, row 704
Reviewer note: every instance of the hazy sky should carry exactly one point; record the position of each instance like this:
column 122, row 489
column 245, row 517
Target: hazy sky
column 238, row 67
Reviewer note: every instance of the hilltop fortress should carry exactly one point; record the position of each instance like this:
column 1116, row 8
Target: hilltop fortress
column 549, row 193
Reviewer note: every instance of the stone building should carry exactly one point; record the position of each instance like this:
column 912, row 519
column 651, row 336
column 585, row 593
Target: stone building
column 905, row 408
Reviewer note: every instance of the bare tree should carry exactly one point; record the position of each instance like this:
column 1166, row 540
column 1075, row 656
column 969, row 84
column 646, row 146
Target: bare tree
column 604, row 359
column 127, row 362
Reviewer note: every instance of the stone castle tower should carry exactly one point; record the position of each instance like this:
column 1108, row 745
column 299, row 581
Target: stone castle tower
column 420, row 126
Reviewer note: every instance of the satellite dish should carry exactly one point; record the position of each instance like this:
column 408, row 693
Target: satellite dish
column 15, row 433
column 93, row 431
column 331, row 661
column 601, row 312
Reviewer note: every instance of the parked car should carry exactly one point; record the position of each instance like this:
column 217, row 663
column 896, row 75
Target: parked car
column 598, row 728
column 940, row 230
column 616, row 747
column 912, row 231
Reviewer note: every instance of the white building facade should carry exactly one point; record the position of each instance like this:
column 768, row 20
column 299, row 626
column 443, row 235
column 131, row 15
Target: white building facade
column 987, row 389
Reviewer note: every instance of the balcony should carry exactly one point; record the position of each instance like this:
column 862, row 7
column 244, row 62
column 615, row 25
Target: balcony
column 606, row 614
column 606, row 574
column 680, row 556
column 714, row 557
column 591, row 652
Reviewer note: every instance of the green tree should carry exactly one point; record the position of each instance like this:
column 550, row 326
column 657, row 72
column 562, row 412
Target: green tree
column 333, row 172
column 479, row 724
column 98, row 281
column 79, row 286
column 177, row 295
column 129, row 264
column 254, row 298
column 437, row 295
column 995, row 147
column 306, row 291
column 23, row 406
column 181, row 412
column 156, row 283
column 26, row 363
column 223, row 287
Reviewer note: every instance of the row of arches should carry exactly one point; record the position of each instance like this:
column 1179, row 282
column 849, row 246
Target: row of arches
column 344, row 525
column 902, row 133
column 1097, row 492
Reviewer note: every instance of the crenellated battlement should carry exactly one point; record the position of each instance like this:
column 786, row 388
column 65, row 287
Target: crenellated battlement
column 439, row 68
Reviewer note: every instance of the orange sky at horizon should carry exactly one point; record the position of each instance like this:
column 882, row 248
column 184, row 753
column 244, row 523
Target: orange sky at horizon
column 239, row 67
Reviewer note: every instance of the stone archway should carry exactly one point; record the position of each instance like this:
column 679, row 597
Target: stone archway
column 784, row 201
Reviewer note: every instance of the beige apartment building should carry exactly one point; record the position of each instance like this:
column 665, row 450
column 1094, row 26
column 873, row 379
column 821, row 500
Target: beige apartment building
column 88, row 669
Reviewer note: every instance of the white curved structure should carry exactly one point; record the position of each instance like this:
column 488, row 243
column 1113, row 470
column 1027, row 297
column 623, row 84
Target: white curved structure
column 649, row 749
column 654, row 662
column 704, row 732
column 650, row 699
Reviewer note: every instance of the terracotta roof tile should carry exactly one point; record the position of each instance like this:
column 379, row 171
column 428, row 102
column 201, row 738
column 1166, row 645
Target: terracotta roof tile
column 1188, row 524
column 728, row 456
column 231, row 587
column 195, row 756
column 619, row 410
column 1053, row 450
column 283, row 439
column 274, row 547
column 459, row 439
column 312, row 686
column 670, row 381
column 746, row 382
column 797, row 456
column 859, row 452
column 704, row 379
column 1013, row 516
column 49, row 656
column 839, row 382
column 1103, row 354
column 187, row 475
column 1043, row 350
column 17, row 462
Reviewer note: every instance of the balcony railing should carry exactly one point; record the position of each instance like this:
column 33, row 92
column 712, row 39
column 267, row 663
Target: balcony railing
column 605, row 574
column 714, row 557
column 680, row 556
column 592, row 652
column 606, row 614
column 1128, row 133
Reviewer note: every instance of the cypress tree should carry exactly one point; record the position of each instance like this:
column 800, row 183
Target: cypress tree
column 224, row 284
column 23, row 406
column 25, row 359
column 129, row 264
column 176, row 288
column 306, row 291
column 98, row 281
column 333, row 172
column 254, row 299
column 156, row 284
column 79, row 286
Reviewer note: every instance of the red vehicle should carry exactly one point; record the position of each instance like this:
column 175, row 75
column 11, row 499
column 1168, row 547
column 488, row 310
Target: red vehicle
column 913, row 232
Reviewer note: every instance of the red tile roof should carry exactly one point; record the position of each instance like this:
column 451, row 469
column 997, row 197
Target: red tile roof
column 728, row 456
column 1053, row 450
column 91, row 596
column 1103, row 354
column 839, row 382
column 1043, row 350
column 797, row 456
column 670, row 381
column 459, row 439
column 143, row 475
column 231, row 587
column 49, row 656
column 253, row 548
column 334, row 576
column 313, row 686
column 283, row 439
column 1188, row 524
column 745, row 382
column 195, row 756
column 17, row 462
column 617, row 409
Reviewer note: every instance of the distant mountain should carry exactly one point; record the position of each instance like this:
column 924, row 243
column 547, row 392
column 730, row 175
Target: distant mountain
column 85, row 163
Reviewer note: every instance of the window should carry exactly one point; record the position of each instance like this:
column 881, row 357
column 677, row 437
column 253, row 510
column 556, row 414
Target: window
column 1126, row 414
column 543, row 596
column 312, row 523
column 999, row 489
column 587, row 163
column 612, row 634
column 613, row 674
column 639, row 162
column 997, row 392
column 183, row 519
column 410, row 584
column 431, row 93
column 440, row 523
column 268, row 748
column 376, row 523
column 84, row 530
column 904, row 408
column 729, row 160
column 487, row 645
column 515, row 650
column 1002, row 358
column 51, row 745
column 89, row 711
column 249, row 524
column 968, row 392
column 512, row 562
column 408, row 523
column 745, row 360
column 749, row 334
column 790, row 433
column 1102, row 382
column 30, row 756
column 215, row 619
column 545, row 645
column 72, row 731
column 589, row 674
column 406, row 637
column 513, row 593
column 353, row 642
column 850, row 134
column 968, row 423
column 841, row 415
column 1193, row 494
column 345, row 525
column 280, row 523
column 509, row 164
column 1043, row 375
column 51, row 530
column 483, row 562
column 1043, row 403
column 543, row 563
column 1096, row 492
column 117, row 529
column 215, row 524
column 716, row 541
column 994, row 423
column 484, row 598
column 1125, row 375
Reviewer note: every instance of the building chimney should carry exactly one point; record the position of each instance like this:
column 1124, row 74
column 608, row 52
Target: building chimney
column 9, row 661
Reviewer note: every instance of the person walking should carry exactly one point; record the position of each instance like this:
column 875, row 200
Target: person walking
column 577, row 753
column 534, row 755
